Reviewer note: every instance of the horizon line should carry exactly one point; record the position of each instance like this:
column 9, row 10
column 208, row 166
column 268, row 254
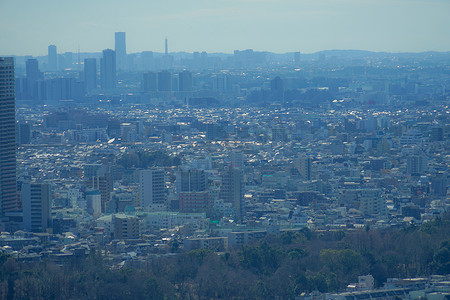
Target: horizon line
column 259, row 51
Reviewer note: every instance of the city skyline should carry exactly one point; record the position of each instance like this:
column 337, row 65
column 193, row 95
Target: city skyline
column 286, row 26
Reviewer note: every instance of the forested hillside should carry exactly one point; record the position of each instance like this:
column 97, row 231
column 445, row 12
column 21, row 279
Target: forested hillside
column 279, row 266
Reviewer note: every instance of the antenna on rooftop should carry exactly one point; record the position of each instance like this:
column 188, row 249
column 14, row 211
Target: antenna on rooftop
column 167, row 48
column 79, row 64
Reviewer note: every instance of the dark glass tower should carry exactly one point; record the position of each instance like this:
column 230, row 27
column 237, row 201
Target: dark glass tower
column 90, row 74
column 108, row 69
column 121, row 50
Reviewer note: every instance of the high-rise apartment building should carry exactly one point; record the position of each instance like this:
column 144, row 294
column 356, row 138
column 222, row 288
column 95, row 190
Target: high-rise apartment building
column 416, row 164
column 192, row 190
column 190, row 202
column 108, row 69
column 99, row 177
column 304, row 167
column 36, row 198
column 232, row 190
column 94, row 202
column 152, row 187
column 52, row 58
column 8, row 186
column 121, row 50
column 90, row 74
column 125, row 227
column 191, row 180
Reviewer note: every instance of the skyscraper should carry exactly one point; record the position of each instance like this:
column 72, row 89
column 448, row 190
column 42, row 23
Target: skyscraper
column 32, row 70
column 277, row 88
column 52, row 58
column 121, row 50
column 33, row 75
column 8, row 186
column 108, row 69
column 166, row 52
column 185, row 81
column 164, row 81
column 90, row 74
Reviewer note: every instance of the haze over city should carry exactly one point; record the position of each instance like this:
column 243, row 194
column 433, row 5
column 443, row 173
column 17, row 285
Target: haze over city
column 30, row 26
column 225, row 149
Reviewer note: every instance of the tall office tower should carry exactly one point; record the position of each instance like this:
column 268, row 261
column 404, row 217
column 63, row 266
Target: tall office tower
column 152, row 187
column 166, row 47
column 108, row 70
column 149, row 82
column 185, row 81
column 90, row 74
column 36, row 206
column 32, row 70
column 232, row 190
column 164, row 81
column 196, row 59
column 8, row 184
column 190, row 180
column 52, row 58
column 277, row 88
column 304, row 167
column 121, row 50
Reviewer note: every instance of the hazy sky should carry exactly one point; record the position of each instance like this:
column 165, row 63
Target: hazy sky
column 27, row 27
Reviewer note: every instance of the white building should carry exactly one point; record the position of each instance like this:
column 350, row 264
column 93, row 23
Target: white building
column 152, row 187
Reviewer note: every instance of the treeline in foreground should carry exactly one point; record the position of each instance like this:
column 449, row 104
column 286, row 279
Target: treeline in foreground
column 278, row 267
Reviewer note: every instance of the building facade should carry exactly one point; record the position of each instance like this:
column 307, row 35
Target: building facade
column 152, row 187
column 36, row 198
column 8, row 186
column 108, row 70
column 121, row 50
